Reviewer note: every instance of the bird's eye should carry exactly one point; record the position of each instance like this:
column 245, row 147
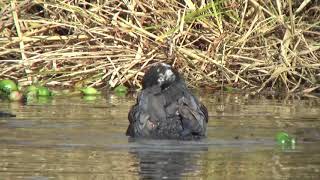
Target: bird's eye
column 160, row 80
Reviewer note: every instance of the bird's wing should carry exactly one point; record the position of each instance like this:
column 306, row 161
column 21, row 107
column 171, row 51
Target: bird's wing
column 140, row 123
column 205, row 112
column 193, row 115
column 146, row 114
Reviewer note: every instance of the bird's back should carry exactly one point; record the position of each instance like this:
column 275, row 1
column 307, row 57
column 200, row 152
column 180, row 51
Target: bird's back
column 170, row 113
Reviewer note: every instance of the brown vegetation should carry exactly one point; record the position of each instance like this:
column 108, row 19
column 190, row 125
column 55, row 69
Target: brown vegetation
column 249, row 44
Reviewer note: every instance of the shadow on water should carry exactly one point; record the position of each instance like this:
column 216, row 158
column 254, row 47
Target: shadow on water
column 70, row 138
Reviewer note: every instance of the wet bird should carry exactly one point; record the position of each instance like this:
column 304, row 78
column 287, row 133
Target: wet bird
column 165, row 108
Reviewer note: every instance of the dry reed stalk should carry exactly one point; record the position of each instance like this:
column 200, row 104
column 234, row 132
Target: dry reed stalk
column 244, row 44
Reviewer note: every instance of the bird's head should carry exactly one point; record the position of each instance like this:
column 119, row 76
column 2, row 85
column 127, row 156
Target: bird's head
column 160, row 74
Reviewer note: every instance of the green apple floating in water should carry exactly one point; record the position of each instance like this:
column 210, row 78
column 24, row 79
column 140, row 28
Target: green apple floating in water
column 43, row 91
column 15, row 96
column 121, row 90
column 8, row 86
column 89, row 91
column 285, row 139
column 32, row 88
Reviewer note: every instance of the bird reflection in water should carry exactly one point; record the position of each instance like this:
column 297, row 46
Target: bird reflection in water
column 168, row 159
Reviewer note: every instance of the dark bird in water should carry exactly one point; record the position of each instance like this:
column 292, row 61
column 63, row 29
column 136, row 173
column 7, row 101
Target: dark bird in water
column 165, row 108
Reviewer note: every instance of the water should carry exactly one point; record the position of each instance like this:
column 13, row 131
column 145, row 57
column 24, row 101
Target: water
column 70, row 138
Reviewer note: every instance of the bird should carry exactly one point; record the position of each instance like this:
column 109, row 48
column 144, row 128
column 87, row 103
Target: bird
column 165, row 108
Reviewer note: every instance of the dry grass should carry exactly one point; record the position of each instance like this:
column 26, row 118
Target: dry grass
column 248, row 44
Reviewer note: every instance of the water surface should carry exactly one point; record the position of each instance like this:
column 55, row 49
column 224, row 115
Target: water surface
column 70, row 138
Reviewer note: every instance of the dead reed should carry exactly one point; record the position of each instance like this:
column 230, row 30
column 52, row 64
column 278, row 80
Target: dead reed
column 247, row 44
